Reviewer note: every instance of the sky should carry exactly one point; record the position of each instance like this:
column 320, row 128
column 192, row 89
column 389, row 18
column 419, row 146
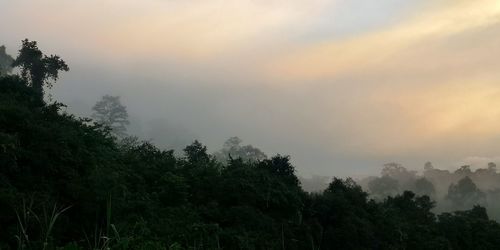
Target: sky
column 341, row 86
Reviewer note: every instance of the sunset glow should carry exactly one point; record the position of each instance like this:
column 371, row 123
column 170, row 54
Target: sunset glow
column 384, row 81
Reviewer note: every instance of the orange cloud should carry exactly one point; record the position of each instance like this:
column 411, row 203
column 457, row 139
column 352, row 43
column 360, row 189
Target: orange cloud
column 428, row 84
column 151, row 28
column 380, row 49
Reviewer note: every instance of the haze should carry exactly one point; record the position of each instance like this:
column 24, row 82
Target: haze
column 341, row 86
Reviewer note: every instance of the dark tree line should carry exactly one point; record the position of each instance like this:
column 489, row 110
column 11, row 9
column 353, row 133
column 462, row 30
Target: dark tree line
column 68, row 183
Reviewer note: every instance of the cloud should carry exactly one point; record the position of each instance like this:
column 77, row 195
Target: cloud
column 380, row 50
column 425, row 85
column 454, row 117
column 189, row 30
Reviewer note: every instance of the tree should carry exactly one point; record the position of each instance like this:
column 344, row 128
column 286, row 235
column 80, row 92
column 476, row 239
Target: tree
column 424, row 187
column 470, row 229
column 5, row 61
column 110, row 112
column 492, row 167
column 383, row 186
column 428, row 166
column 405, row 177
column 465, row 193
column 196, row 152
column 280, row 166
column 38, row 69
column 412, row 221
column 464, row 170
column 343, row 218
column 397, row 171
column 233, row 149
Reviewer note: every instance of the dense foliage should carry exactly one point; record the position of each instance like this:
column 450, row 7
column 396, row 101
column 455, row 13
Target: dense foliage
column 36, row 68
column 67, row 183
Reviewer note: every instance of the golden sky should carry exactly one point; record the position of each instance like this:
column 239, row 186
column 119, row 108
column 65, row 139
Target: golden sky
column 377, row 80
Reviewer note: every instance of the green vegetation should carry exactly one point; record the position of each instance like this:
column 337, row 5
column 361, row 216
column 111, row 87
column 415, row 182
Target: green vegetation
column 69, row 183
column 38, row 69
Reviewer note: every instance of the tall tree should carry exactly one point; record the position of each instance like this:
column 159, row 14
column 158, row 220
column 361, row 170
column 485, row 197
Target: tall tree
column 5, row 61
column 110, row 112
column 36, row 68
column 233, row 149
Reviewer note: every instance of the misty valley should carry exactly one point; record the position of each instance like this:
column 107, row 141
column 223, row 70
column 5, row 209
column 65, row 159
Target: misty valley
column 68, row 182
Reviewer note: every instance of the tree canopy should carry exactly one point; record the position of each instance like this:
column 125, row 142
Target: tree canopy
column 38, row 69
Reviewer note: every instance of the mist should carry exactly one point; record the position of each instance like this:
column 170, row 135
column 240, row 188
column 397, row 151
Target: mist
column 341, row 114
column 459, row 189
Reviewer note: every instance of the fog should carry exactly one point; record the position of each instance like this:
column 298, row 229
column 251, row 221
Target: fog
column 451, row 190
column 172, row 113
column 340, row 96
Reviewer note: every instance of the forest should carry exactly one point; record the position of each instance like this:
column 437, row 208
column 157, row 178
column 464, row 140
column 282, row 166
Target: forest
column 81, row 183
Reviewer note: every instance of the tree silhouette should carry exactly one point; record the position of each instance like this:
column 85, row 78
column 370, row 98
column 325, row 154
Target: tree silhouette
column 196, row 152
column 384, row 186
column 110, row 112
column 5, row 61
column 428, row 166
column 233, row 149
column 424, row 187
column 464, row 171
column 492, row 167
column 465, row 193
column 38, row 69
